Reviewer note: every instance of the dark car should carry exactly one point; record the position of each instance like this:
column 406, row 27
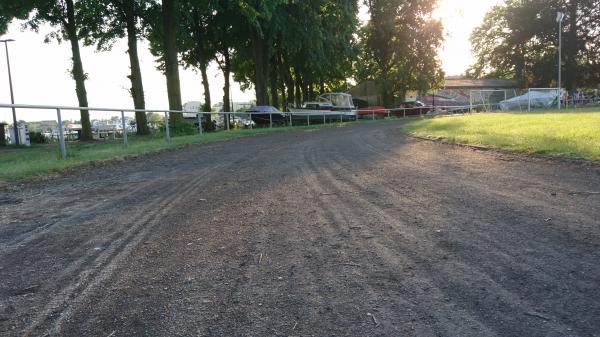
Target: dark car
column 443, row 103
column 264, row 114
column 360, row 103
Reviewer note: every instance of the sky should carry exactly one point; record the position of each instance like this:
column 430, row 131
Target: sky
column 40, row 70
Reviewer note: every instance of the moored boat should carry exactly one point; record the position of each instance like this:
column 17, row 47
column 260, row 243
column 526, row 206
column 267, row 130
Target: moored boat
column 328, row 104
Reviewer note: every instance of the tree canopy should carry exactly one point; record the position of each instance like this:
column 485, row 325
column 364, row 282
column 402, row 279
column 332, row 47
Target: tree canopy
column 519, row 40
column 399, row 47
column 288, row 51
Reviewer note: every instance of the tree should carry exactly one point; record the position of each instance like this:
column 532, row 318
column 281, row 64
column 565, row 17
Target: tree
column 519, row 40
column 103, row 22
column 257, row 15
column 64, row 15
column 10, row 10
column 169, row 21
column 196, row 45
column 399, row 47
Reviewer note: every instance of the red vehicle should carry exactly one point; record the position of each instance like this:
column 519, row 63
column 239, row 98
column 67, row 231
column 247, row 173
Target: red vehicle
column 372, row 110
column 411, row 109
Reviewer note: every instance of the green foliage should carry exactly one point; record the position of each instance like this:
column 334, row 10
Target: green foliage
column 399, row 47
column 572, row 133
column 183, row 127
column 518, row 39
column 10, row 10
column 37, row 138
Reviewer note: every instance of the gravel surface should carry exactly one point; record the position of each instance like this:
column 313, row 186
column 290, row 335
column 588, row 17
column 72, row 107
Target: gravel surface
column 353, row 231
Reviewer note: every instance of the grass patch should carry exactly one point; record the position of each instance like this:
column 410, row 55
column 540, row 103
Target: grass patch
column 568, row 133
column 24, row 162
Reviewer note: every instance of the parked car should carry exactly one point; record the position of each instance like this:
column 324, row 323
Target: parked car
column 360, row 103
column 263, row 114
column 436, row 102
column 370, row 110
column 414, row 108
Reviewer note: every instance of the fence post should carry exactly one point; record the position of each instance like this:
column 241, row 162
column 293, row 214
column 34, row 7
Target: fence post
column 324, row 118
column 341, row 118
column 251, row 121
column 168, row 132
column 404, row 112
column 199, row 116
column 270, row 120
column 291, row 122
column 529, row 100
column 125, row 140
column 373, row 114
column 308, row 120
column 61, row 136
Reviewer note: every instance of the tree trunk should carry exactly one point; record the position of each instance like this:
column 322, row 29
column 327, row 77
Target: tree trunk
column 273, row 80
column 226, row 75
column 171, row 61
column 201, row 58
column 283, row 81
column 571, row 50
column 321, row 87
column 260, row 79
column 78, row 73
column 289, row 83
column 137, row 87
column 298, row 94
column 207, row 102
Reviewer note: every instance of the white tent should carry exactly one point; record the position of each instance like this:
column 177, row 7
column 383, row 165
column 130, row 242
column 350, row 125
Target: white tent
column 539, row 99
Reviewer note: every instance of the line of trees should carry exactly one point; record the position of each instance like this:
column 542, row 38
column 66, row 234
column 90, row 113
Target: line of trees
column 399, row 48
column 519, row 40
column 287, row 50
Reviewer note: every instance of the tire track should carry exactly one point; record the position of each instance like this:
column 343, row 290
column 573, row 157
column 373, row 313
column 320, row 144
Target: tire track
column 420, row 256
column 105, row 262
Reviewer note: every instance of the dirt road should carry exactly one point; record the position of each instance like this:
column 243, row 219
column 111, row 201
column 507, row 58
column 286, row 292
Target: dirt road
column 353, row 231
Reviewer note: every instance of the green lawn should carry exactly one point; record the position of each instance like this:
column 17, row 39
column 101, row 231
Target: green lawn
column 569, row 133
column 20, row 163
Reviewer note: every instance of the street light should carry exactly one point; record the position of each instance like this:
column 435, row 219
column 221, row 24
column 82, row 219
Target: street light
column 12, row 96
column 559, row 18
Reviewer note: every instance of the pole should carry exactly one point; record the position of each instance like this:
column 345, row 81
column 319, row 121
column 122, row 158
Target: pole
column 270, row 120
column 124, row 128
column 167, row 131
column 61, row 136
column 12, row 96
column 559, row 61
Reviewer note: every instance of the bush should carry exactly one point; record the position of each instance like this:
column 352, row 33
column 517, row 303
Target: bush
column 37, row 138
column 183, row 128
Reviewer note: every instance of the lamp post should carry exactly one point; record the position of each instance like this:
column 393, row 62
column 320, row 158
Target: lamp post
column 12, row 96
column 559, row 18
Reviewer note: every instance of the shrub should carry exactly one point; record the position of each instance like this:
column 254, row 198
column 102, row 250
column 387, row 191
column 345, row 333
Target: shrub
column 37, row 138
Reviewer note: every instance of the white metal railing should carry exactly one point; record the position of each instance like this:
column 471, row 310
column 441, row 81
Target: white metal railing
column 287, row 116
column 249, row 115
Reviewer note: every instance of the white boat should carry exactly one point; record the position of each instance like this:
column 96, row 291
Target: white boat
column 329, row 104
